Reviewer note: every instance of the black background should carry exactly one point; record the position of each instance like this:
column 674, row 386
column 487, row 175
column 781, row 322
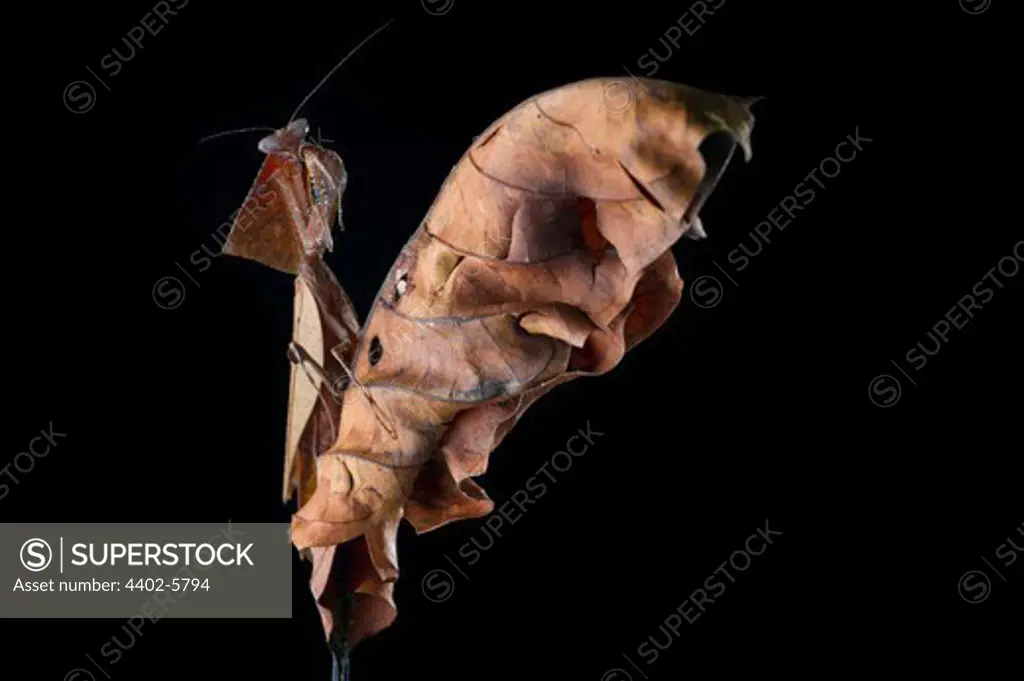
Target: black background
column 757, row 408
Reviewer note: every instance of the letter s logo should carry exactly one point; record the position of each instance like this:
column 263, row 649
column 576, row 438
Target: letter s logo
column 36, row 555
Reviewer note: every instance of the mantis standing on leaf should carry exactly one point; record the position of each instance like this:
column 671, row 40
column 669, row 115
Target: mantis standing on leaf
column 545, row 257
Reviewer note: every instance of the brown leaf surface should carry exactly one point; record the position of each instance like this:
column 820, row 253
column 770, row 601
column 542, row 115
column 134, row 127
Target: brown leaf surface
column 546, row 256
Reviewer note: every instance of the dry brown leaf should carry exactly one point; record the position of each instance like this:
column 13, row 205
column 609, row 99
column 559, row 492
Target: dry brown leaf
column 546, row 256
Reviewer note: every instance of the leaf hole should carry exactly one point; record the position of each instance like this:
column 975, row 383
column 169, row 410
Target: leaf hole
column 376, row 351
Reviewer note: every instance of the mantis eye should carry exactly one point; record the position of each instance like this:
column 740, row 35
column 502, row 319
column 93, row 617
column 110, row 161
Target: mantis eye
column 298, row 128
column 271, row 144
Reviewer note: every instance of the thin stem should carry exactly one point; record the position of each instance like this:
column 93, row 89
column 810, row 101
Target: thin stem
column 342, row 662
